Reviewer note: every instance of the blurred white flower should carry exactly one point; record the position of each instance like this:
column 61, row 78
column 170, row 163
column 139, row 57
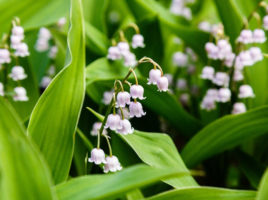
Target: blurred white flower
column 53, row 52
column 107, row 97
column 238, row 108
column 125, row 113
column 97, row 156
column 208, row 73
column 17, row 73
column 137, row 41
column 162, row 84
column 259, row 36
column 245, row 37
column 4, row 56
column 123, row 47
column 180, row 59
column 114, row 53
column 238, row 75
column 245, row 91
column 2, row 93
column 129, row 59
column 154, row 75
column 181, row 84
column 96, row 128
column 18, row 31
column 45, row 81
column 204, row 26
column 212, row 50
column 61, row 22
column 208, row 103
column 51, row 71
column 265, row 22
column 224, row 95
column 20, row 94
column 256, row 54
column 22, row 50
column 221, row 79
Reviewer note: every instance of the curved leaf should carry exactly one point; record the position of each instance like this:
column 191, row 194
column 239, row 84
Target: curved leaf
column 224, row 134
column 54, row 119
column 263, row 192
column 159, row 151
column 205, row 193
column 112, row 185
column 24, row 174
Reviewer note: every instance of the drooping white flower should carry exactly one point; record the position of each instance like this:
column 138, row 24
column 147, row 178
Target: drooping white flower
column 245, row 91
column 238, row 108
column 213, row 94
column 113, row 122
column 112, row 164
column 212, row 50
column 97, row 156
column 245, row 58
column 15, row 41
column 154, row 75
column 4, row 56
column 208, row 73
column 238, row 75
column 51, row 71
column 126, row 127
column 221, row 79
column 181, row 84
column 20, row 94
column 208, row 103
column 137, row 41
column 18, row 31
column 107, row 97
column 229, row 59
column 61, row 22
column 137, row 91
column 42, row 43
column 246, row 36
column 22, row 50
column 204, row 26
column 256, row 54
column 265, row 22
column 53, row 52
column 259, row 36
column 123, row 99
column 17, row 73
column 180, row 59
column 114, row 53
column 123, row 47
column 45, row 81
column 96, row 128
column 224, row 95
column 2, row 92
column 162, row 84
column 44, row 33
column 224, row 49
column 129, row 59
column 136, row 110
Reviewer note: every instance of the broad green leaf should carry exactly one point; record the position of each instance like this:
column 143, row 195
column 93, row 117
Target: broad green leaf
column 24, row 174
column 53, row 122
column 159, row 151
column 32, row 13
column 163, row 104
column 96, row 41
column 263, row 192
column 135, row 194
column 205, row 193
column 224, row 134
column 113, row 185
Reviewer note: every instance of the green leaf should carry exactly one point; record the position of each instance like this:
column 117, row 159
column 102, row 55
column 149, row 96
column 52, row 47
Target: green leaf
column 54, row 119
column 163, row 104
column 205, row 193
column 32, row 13
column 96, row 41
column 224, row 134
column 112, row 185
column 159, row 151
column 263, row 192
column 24, row 174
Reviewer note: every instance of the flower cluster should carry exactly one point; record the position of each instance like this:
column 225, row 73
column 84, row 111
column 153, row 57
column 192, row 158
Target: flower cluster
column 247, row 55
column 16, row 49
column 128, row 107
column 179, row 7
column 121, row 50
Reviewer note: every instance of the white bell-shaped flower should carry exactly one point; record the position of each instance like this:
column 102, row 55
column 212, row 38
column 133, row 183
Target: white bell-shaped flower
column 113, row 122
column 45, row 81
column 208, row 73
column 221, row 79
column 238, row 65
column 245, row 91
column 4, row 56
column 126, row 127
column 137, row 41
column 181, row 84
column 96, row 128
column 256, row 54
column 42, row 45
column 18, row 31
column 137, row 91
column 136, row 110
column 17, row 73
column 162, row 84
column 20, row 94
column 114, row 53
column 259, row 36
column 97, row 156
column 129, row 59
column 265, row 22
column 123, row 99
column 107, row 97
column 22, row 50
column 208, row 103
column 112, row 164
column 224, row 95
column 246, row 36
column 44, row 33
column 212, row 93
column 125, row 113
column 224, row 49
column 15, row 41
column 2, row 92
column 245, row 58
column 238, row 75
column 53, row 52
column 238, row 108
column 180, row 59
column 154, row 75
column 212, row 50
column 229, row 59
column 123, row 47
